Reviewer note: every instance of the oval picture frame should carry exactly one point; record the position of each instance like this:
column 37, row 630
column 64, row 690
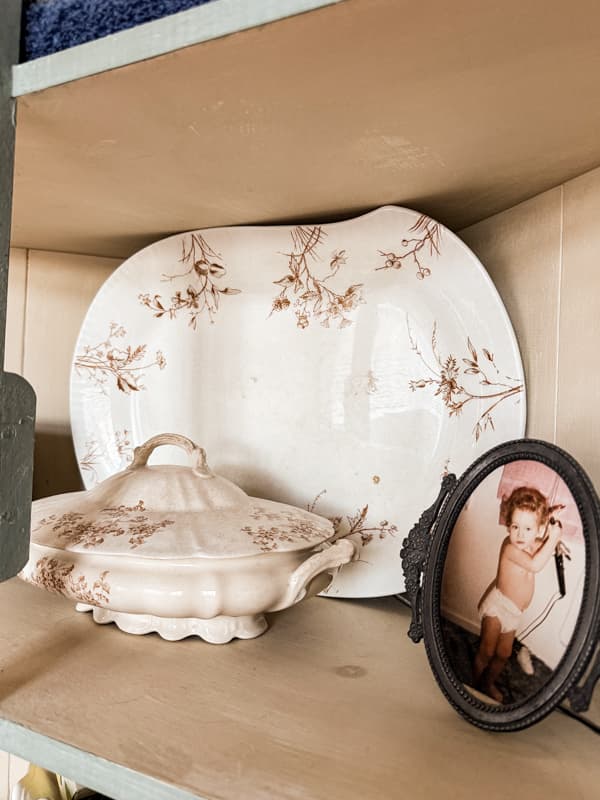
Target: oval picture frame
column 503, row 576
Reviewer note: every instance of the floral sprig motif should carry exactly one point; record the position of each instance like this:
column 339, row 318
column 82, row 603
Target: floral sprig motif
column 124, row 445
column 127, row 364
column 268, row 539
column 89, row 460
column 111, row 522
column 307, row 294
column 95, row 452
column 285, row 527
column 447, row 375
column 57, row 577
column 357, row 524
column 204, row 294
column 427, row 239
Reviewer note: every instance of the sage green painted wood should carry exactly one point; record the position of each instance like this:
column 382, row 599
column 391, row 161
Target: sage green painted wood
column 17, row 417
column 17, row 399
column 199, row 24
column 114, row 780
column 9, row 54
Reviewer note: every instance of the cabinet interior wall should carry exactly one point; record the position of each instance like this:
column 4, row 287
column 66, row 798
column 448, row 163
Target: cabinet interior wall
column 542, row 255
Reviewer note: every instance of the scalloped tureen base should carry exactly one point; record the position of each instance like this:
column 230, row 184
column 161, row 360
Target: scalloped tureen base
column 218, row 630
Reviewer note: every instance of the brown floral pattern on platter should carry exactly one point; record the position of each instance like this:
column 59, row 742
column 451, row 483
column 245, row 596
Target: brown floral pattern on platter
column 308, row 295
column 75, row 529
column 94, row 453
column 415, row 248
column 124, row 445
column 58, row 577
column 364, row 384
column 126, row 364
column 447, row 374
column 357, row 523
column 89, row 460
column 286, row 527
column 201, row 296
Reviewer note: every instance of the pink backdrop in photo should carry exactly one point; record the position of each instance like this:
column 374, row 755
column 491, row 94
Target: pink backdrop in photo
column 544, row 479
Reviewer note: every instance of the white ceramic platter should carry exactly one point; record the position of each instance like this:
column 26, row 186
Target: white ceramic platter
column 341, row 368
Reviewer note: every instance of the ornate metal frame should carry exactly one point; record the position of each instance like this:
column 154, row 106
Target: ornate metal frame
column 423, row 556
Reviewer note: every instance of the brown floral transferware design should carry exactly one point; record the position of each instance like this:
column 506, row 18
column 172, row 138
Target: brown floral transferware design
column 58, row 577
column 124, row 445
column 357, row 524
column 446, row 376
column 204, row 296
column 371, row 382
column 89, row 460
column 74, row 529
column 307, row 294
column 95, row 452
column 286, row 527
column 364, row 384
column 105, row 361
column 427, row 235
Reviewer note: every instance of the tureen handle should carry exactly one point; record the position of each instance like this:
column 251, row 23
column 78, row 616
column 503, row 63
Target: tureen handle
column 329, row 560
column 142, row 453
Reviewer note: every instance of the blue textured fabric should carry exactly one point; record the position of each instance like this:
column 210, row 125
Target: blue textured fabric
column 52, row 25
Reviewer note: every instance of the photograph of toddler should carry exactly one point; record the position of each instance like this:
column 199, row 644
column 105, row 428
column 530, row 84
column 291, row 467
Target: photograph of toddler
column 533, row 536
column 513, row 581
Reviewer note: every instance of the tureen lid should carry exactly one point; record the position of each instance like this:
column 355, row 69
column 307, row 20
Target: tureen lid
column 172, row 511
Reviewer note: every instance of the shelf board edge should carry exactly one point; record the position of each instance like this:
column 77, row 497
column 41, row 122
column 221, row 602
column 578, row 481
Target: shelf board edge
column 203, row 23
column 85, row 768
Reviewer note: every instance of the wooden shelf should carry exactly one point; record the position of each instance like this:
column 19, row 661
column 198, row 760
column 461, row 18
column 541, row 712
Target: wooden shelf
column 333, row 701
column 459, row 110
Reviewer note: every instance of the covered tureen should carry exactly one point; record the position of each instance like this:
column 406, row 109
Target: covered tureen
column 180, row 550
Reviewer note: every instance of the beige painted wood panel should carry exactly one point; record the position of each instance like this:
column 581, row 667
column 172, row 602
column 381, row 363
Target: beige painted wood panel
column 4, row 775
column 457, row 109
column 578, row 427
column 17, row 769
column 60, row 288
column 15, row 312
column 333, row 702
column 520, row 248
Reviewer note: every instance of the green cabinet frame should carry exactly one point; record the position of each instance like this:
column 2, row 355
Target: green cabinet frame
column 17, row 398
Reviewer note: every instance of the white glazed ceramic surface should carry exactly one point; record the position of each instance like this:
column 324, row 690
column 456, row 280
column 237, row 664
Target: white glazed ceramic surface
column 171, row 511
column 341, row 368
column 180, row 550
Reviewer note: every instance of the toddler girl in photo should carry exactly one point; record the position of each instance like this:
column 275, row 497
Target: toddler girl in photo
column 532, row 538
